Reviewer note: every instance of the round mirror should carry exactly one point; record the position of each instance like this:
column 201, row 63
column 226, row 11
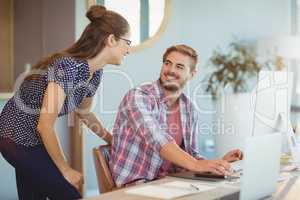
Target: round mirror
column 147, row 19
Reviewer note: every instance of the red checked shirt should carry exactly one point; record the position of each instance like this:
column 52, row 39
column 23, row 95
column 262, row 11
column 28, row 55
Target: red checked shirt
column 140, row 131
column 175, row 130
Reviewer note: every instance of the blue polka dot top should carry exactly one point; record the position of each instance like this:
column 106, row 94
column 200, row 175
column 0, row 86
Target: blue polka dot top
column 19, row 117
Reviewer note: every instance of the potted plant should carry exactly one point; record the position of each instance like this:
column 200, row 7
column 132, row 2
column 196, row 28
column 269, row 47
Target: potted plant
column 235, row 69
column 234, row 76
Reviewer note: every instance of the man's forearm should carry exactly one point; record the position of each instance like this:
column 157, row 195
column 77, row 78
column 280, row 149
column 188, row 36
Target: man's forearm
column 173, row 153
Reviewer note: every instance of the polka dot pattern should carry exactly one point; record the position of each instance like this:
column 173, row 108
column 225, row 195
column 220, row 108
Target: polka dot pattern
column 19, row 117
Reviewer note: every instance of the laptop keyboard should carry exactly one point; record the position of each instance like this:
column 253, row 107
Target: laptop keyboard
column 237, row 166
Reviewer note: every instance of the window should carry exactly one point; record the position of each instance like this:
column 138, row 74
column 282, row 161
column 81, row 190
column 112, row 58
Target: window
column 131, row 11
column 295, row 17
column 156, row 15
column 144, row 16
column 294, row 64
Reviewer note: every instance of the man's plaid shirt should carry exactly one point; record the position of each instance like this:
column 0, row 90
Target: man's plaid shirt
column 140, row 131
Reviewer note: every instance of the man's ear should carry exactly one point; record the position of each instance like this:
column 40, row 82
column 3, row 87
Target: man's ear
column 194, row 72
column 111, row 40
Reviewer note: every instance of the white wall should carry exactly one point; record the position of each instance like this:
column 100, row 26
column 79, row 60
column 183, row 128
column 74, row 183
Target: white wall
column 203, row 24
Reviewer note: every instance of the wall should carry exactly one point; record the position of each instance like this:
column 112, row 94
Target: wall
column 41, row 28
column 202, row 24
column 6, row 45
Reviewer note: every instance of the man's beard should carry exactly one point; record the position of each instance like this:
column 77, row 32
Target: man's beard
column 170, row 86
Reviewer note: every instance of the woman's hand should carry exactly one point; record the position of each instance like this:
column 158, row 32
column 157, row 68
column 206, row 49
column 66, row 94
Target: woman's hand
column 73, row 177
column 219, row 167
column 233, row 155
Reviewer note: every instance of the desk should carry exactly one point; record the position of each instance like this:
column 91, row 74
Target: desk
column 212, row 194
column 287, row 190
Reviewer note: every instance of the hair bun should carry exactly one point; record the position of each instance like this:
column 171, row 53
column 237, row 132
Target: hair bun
column 95, row 12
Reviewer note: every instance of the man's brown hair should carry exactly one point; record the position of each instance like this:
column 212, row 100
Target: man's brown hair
column 185, row 50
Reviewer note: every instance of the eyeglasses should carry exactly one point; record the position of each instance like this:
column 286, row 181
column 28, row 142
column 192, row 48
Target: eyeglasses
column 128, row 42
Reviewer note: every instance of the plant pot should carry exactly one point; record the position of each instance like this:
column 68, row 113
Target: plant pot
column 235, row 114
column 237, row 119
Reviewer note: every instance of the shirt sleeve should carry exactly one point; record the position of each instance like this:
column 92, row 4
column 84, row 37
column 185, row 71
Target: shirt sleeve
column 94, row 83
column 62, row 72
column 143, row 114
column 195, row 142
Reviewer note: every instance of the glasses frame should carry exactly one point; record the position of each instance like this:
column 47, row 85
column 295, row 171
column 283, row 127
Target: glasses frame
column 128, row 42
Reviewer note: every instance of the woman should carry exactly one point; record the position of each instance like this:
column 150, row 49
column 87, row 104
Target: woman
column 56, row 86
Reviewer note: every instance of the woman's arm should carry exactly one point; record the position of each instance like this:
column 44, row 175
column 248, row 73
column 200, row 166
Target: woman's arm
column 91, row 121
column 52, row 103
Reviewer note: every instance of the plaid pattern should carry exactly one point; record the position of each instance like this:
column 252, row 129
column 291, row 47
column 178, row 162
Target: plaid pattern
column 141, row 130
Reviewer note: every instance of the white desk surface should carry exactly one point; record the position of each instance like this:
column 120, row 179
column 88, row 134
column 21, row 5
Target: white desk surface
column 287, row 190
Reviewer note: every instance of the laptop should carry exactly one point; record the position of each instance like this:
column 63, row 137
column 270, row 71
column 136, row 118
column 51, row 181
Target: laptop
column 260, row 167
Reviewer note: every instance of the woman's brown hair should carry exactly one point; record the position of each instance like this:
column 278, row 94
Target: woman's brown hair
column 102, row 23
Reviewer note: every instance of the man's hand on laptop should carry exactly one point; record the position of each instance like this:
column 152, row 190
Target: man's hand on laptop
column 233, row 155
column 219, row 167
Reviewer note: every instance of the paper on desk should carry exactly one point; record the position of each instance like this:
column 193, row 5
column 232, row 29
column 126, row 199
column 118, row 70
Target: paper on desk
column 169, row 190
column 290, row 168
column 187, row 185
column 284, row 176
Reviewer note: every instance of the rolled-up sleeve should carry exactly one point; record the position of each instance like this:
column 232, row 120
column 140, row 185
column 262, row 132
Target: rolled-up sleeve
column 144, row 113
column 195, row 142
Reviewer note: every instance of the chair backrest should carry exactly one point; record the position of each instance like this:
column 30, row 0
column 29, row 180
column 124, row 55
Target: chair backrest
column 101, row 158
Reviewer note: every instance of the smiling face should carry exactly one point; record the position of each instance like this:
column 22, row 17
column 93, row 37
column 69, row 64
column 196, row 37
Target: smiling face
column 176, row 71
column 120, row 49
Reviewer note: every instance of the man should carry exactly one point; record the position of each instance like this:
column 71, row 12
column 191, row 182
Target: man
column 156, row 127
